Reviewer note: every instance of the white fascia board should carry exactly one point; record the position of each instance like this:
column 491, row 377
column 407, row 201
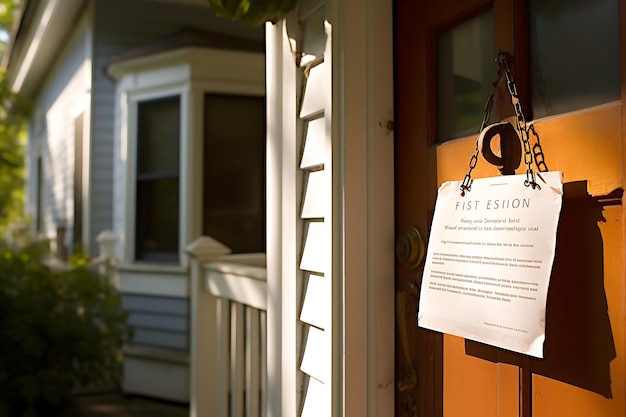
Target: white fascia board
column 51, row 24
column 218, row 65
column 119, row 69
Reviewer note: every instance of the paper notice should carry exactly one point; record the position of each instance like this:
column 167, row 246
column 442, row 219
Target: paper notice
column 489, row 260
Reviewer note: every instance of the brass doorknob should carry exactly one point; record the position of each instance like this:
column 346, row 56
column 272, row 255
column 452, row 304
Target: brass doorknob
column 411, row 247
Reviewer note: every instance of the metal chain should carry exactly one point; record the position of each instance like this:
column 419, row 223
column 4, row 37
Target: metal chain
column 520, row 122
column 540, row 159
column 530, row 155
column 466, row 185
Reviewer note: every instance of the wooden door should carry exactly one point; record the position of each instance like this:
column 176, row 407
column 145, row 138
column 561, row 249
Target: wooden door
column 582, row 134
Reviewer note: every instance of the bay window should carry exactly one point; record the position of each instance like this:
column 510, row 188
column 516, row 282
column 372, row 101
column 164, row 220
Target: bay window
column 190, row 153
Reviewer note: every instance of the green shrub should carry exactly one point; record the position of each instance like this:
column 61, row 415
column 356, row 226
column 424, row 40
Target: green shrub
column 252, row 12
column 58, row 330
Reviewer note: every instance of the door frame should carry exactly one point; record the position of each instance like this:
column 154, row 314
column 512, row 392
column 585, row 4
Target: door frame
column 363, row 206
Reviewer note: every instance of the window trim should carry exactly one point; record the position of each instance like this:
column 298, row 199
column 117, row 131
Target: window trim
column 136, row 178
column 189, row 72
column 134, row 99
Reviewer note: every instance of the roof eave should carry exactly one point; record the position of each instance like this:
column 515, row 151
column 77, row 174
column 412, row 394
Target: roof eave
column 37, row 38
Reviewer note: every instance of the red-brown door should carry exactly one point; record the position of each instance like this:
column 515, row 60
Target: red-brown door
column 566, row 60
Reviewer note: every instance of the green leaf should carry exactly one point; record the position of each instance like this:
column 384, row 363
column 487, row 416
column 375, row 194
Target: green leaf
column 30, row 389
column 33, row 345
column 252, row 12
column 4, row 408
column 51, row 394
column 67, row 327
column 30, row 412
column 12, row 146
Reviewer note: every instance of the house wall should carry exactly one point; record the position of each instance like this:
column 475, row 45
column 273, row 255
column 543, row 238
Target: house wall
column 156, row 297
column 156, row 294
column 63, row 97
column 115, row 33
column 156, row 363
column 158, row 321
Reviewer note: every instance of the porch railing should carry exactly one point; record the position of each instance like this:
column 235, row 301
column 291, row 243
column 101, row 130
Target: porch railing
column 229, row 336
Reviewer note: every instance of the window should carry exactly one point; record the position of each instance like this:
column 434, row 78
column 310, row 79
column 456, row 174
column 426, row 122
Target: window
column 566, row 59
column 574, row 54
column 157, row 180
column 190, row 152
column 466, row 71
column 234, row 171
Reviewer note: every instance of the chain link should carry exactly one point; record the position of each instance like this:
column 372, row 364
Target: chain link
column 534, row 154
column 466, row 185
column 540, row 159
column 520, row 122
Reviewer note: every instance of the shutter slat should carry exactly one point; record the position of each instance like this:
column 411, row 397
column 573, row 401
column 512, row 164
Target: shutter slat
column 316, row 355
column 313, row 154
column 315, row 196
column 315, row 92
column 316, row 306
column 316, row 400
column 314, row 254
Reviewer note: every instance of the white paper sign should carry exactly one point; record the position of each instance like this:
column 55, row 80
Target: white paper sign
column 489, row 260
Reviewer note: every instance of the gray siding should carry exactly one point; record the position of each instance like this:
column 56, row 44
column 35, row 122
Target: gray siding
column 51, row 136
column 158, row 321
column 31, row 173
column 122, row 26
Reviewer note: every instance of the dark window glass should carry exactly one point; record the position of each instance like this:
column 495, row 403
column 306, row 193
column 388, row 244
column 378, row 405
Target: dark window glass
column 574, row 54
column 466, row 69
column 234, row 171
column 157, row 204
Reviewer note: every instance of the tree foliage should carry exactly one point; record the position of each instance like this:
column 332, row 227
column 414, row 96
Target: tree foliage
column 59, row 329
column 252, row 12
column 13, row 112
column 8, row 9
column 8, row 12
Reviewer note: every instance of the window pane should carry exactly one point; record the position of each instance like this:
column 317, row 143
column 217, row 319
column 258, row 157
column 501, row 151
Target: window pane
column 157, row 220
column 234, row 173
column 157, row 203
column 158, row 132
column 465, row 72
column 574, row 54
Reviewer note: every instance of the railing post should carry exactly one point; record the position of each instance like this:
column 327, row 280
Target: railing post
column 203, row 329
column 60, row 244
column 106, row 258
